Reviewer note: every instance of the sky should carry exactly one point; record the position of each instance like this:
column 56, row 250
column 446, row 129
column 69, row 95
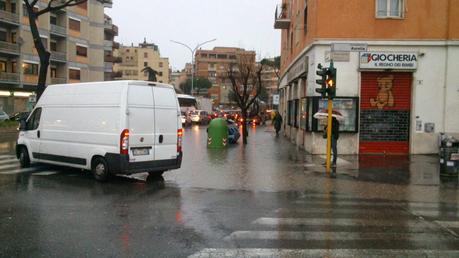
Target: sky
column 234, row 23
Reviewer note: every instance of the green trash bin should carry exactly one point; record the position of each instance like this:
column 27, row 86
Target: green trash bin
column 217, row 133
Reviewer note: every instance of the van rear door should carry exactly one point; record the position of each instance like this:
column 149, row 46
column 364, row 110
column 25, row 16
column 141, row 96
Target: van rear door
column 141, row 119
column 167, row 123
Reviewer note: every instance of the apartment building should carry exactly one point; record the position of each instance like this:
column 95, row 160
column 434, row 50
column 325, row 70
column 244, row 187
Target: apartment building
column 110, row 45
column 213, row 64
column 397, row 79
column 74, row 36
column 270, row 80
column 135, row 58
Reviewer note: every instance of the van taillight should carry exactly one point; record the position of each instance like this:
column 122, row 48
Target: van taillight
column 124, row 142
column 179, row 140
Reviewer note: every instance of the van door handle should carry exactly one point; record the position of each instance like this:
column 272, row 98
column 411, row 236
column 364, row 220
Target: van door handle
column 38, row 134
column 161, row 138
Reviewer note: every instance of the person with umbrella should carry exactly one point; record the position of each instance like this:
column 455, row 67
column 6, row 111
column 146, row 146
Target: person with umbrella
column 277, row 122
column 322, row 114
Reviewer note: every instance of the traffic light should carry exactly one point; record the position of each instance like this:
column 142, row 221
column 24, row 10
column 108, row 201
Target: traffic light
column 322, row 72
column 331, row 81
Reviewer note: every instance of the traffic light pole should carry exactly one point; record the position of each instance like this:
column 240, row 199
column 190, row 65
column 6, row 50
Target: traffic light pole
column 329, row 134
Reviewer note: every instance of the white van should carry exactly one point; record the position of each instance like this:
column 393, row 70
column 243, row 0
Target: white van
column 117, row 127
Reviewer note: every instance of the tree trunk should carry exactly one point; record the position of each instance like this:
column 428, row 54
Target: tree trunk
column 245, row 133
column 43, row 54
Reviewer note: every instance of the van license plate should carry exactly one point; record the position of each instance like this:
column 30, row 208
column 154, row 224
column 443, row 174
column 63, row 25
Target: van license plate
column 139, row 152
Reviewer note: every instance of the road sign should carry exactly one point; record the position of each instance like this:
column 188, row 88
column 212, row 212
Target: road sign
column 276, row 99
column 349, row 47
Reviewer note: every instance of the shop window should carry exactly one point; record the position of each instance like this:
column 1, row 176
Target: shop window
column 74, row 74
column 30, row 68
column 304, row 114
column 81, row 51
column 293, row 113
column 389, row 8
column 74, row 24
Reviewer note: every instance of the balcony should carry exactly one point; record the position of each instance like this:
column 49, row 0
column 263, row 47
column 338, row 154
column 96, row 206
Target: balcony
column 9, row 48
column 58, row 80
column 9, row 78
column 58, row 56
column 108, row 44
column 9, row 17
column 116, row 45
column 282, row 17
column 117, row 74
column 58, row 30
column 108, row 67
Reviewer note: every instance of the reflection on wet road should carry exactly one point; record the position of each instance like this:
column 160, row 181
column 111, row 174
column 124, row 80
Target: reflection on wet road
column 267, row 199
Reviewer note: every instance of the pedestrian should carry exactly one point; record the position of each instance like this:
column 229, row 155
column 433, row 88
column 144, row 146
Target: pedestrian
column 334, row 139
column 277, row 122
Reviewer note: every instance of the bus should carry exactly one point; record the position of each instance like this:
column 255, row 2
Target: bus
column 187, row 103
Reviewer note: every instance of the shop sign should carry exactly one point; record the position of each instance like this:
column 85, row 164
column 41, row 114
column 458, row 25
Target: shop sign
column 337, row 56
column 349, row 47
column 389, row 60
column 298, row 69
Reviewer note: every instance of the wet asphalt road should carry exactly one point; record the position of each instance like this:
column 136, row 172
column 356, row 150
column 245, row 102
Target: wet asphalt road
column 265, row 200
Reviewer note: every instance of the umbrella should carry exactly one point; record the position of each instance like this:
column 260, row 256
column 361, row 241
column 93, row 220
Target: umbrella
column 323, row 114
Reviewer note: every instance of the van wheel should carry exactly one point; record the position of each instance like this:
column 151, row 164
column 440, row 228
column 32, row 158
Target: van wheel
column 24, row 159
column 100, row 169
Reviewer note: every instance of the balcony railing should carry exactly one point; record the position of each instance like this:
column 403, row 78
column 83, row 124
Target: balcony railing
column 108, row 44
column 9, row 77
column 9, row 17
column 8, row 47
column 58, row 56
column 59, row 30
column 58, row 80
column 282, row 17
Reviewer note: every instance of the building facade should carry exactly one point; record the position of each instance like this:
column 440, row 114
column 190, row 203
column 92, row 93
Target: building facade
column 74, row 36
column 213, row 65
column 135, row 58
column 397, row 79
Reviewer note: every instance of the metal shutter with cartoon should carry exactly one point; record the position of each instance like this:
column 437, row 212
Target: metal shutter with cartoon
column 385, row 113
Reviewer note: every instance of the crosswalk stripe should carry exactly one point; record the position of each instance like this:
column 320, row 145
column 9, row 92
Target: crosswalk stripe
column 338, row 253
column 6, row 161
column 45, row 173
column 7, row 157
column 331, row 236
column 448, row 224
column 9, row 166
column 19, row 171
column 336, row 222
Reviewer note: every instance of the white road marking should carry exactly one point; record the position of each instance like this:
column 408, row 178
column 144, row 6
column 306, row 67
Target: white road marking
column 9, row 166
column 336, row 222
column 332, row 236
column 45, row 173
column 7, row 161
column 306, row 253
column 19, row 171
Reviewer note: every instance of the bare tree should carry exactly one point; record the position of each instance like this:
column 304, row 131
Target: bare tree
column 44, row 55
column 246, row 85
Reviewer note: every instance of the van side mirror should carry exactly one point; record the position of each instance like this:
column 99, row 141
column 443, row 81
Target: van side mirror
column 22, row 125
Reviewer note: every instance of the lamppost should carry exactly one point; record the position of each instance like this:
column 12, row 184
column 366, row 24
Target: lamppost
column 192, row 50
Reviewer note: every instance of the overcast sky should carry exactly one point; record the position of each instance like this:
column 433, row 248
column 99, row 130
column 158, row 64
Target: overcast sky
column 234, row 23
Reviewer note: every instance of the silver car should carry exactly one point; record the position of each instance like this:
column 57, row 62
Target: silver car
column 3, row 116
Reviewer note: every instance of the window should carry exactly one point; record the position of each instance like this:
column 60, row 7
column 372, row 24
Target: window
column 2, row 6
column 53, row 19
column 222, row 56
column 30, row 68
column 213, row 56
column 74, row 24
column 160, row 64
column 3, row 66
column 53, row 45
column 293, row 113
column 145, row 55
column 74, row 74
column 145, row 64
column 389, row 8
column 13, row 7
column 53, row 72
column 305, row 17
column 204, row 55
column 13, row 37
column 160, row 73
column 14, row 67
column 81, row 51
column 34, row 121
column 3, row 34
column 232, row 57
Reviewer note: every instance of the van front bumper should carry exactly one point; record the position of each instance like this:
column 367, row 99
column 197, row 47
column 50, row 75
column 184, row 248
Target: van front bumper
column 119, row 164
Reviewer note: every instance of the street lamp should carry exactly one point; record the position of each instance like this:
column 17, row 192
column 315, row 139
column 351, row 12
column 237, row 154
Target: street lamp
column 192, row 50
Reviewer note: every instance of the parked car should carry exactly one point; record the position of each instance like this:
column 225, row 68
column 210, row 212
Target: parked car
column 19, row 116
column 117, row 127
column 3, row 116
column 200, row 117
column 233, row 132
column 186, row 119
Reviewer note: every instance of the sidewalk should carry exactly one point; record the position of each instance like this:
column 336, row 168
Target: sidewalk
column 393, row 169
